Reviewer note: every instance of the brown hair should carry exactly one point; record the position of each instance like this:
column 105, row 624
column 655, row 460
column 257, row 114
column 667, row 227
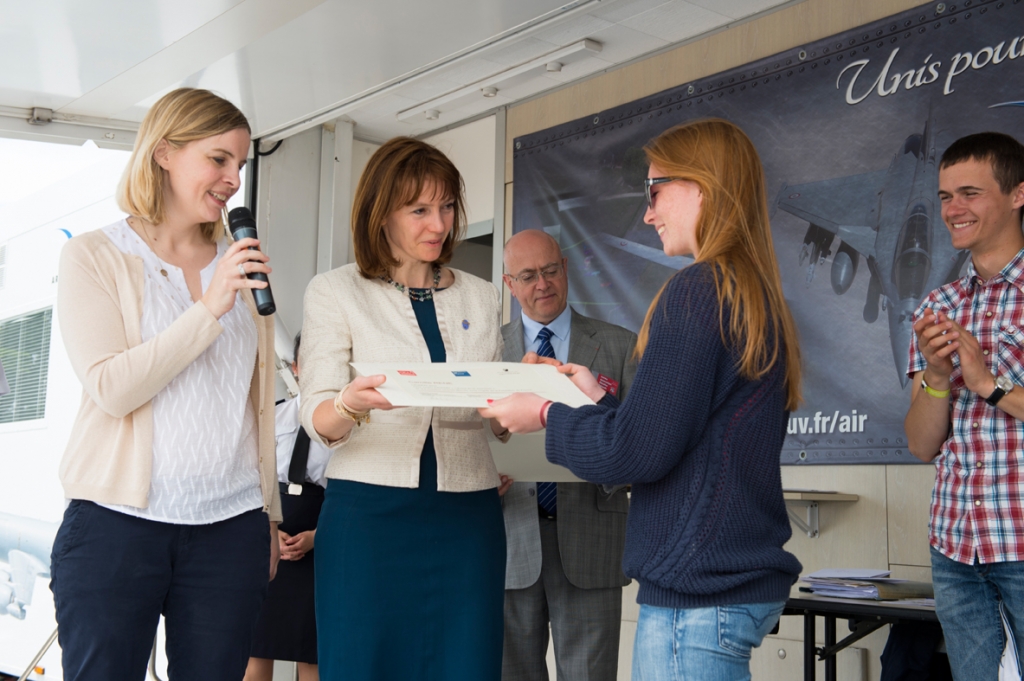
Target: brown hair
column 1004, row 153
column 394, row 177
column 734, row 237
column 181, row 116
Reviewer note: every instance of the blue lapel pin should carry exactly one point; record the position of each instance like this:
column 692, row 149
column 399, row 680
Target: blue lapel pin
column 465, row 324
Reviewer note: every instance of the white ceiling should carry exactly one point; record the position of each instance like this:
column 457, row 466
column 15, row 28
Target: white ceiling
column 290, row 64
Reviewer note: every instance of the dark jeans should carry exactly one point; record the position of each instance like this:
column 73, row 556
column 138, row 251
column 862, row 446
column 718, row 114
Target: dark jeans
column 113, row 575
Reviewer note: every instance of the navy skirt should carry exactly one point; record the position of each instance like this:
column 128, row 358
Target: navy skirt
column 410, row 583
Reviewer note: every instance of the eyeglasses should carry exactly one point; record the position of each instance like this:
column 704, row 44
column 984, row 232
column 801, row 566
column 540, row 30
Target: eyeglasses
column 650, row 182
column 549, row 272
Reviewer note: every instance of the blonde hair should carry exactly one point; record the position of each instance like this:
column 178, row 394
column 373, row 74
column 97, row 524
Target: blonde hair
column 393, row 178
column 733, row 236
column 179, row 117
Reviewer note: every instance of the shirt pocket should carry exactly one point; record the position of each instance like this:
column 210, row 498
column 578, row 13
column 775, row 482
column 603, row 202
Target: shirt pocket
column 1011, row 354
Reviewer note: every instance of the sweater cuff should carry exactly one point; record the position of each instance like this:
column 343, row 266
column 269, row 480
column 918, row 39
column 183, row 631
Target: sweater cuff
column 609, row 400
column 557, row 413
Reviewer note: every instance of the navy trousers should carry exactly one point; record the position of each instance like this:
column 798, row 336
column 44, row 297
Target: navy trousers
column 113, row 575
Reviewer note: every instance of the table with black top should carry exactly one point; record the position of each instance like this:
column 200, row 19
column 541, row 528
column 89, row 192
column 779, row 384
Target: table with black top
column 865, row 617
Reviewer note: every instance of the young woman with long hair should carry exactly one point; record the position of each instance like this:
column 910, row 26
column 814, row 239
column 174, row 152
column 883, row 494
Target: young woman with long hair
column 700, row 433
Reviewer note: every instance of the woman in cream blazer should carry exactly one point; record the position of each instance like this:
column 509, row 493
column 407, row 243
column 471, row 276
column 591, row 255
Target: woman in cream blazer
column 410, row 547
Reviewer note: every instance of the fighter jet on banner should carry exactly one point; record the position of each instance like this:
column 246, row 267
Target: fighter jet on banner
column 892, row 219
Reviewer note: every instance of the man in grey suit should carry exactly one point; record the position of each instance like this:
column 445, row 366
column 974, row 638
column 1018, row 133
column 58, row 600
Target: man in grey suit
column 565, row 541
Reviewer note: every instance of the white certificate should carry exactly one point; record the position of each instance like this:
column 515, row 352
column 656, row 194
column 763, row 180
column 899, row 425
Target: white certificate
column 469, row 384
column 522, row 458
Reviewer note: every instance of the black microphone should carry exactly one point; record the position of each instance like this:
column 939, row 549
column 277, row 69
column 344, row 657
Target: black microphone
column 243, row 226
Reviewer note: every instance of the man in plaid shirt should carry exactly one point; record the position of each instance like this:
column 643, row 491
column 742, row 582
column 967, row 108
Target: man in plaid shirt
column 967, row 405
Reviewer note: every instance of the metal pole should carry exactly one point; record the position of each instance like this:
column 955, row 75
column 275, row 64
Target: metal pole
column 39, row 656
column 809, row 657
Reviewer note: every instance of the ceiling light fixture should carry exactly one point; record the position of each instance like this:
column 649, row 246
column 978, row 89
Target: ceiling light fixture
column 557, row 56
column 553, row 66
column 432, row 114
column 489, row 91
column 355, row 103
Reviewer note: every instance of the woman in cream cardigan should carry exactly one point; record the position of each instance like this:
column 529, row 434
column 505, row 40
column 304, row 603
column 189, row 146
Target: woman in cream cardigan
column 170, row 463
column 410, row 557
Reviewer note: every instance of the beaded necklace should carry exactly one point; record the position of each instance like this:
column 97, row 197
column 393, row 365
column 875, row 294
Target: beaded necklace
column 417, row 294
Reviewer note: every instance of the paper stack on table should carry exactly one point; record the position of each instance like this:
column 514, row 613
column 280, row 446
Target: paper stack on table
column 867, row 584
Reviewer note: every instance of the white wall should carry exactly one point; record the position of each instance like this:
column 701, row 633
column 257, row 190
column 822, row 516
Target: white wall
column 471, row 149
column 287, row 218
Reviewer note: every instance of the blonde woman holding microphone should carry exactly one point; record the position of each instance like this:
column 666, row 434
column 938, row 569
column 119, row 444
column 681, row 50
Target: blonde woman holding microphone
column 170, row 464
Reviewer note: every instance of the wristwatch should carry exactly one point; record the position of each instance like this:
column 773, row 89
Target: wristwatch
column 1003, row 386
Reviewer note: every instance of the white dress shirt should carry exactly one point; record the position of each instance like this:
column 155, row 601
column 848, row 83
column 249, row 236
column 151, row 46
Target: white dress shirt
column 286, row 426
column 559, row 334
column 205, row 445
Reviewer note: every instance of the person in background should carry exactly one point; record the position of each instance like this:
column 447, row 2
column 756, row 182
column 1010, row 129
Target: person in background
column 410, row 558
column 170, row 463
column 286, row 629
column 565, row 540
column 700, row 433
column 966, row 411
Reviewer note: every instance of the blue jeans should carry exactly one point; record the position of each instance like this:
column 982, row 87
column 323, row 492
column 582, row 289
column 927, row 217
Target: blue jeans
column 705, row 644
column 967, row 603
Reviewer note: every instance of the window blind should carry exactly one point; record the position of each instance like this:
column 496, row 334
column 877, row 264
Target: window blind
column 25, row 353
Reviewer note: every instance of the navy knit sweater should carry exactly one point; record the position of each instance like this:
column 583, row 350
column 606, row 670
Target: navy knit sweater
column 700, row 444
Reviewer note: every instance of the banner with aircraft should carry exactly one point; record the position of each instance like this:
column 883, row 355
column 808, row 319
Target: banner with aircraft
column 850, row 130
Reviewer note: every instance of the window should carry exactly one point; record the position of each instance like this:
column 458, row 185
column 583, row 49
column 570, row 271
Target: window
column 25, row 354
column 3, row 264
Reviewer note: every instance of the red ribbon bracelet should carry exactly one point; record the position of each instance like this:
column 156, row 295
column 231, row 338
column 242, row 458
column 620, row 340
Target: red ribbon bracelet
column 543, row 415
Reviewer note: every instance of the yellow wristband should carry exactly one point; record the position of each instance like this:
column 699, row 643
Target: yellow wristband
column 941, row 394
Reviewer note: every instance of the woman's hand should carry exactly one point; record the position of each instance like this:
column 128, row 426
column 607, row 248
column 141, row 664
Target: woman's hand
column 296, row 547
column 228, row 280
column 506, row 483
column 519, row 412
column 584, row 380
column 361, row 394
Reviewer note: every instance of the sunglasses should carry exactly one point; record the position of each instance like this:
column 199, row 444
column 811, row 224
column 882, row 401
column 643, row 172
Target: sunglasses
column 650, row 182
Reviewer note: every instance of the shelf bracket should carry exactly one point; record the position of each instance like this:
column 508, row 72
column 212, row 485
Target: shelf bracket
column 810, row 525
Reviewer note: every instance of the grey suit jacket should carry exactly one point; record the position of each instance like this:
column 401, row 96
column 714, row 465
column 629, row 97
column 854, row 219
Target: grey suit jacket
column 591, row 524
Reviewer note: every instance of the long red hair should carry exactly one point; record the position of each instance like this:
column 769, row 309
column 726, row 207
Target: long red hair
column 733, row 236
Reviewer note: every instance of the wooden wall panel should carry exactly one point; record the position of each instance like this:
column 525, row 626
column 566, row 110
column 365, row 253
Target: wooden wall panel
column 910, row 495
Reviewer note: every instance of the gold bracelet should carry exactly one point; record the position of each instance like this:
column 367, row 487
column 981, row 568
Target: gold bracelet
column 359, row 417
column 941, row 394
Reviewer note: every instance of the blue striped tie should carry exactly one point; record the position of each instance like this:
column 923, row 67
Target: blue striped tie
column 547, row 492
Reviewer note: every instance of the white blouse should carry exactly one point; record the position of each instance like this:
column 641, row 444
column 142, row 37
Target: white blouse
column 205, row 446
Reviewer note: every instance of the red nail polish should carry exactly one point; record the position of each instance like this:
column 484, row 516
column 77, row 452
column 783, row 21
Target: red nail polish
column 489, row 401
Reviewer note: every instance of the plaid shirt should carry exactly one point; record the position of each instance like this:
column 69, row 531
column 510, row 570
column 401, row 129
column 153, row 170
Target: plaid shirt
column 978, row 502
